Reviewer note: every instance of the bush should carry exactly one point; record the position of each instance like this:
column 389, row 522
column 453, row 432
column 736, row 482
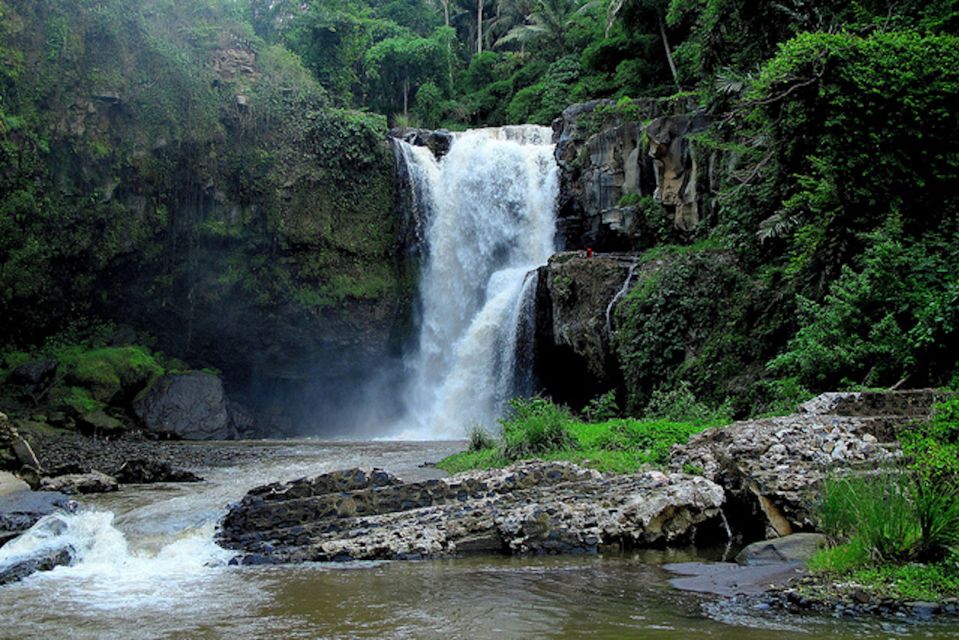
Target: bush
column 602, row 407
column 535, row 426
column 480, row 440
column 875, row 511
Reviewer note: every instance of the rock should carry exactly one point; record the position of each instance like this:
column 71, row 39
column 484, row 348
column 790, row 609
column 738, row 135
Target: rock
column 528, row 508
column 916, row 403
column 191, row 406
column 798, row 547
column 46, row 560
column 100, row 424
column 579, row 292
column 143, row 471
column 80, row 483
column 438, row 142
column 771, row 468
column 675, row 166
column 21, row 508
column 243, row 420
column 35, row 375
column 15, row 452
column 597, row 168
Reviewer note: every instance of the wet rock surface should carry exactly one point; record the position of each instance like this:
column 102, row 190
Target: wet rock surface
column 528, row 508
column 772, row 468
column 580, row 291
column 43, row 561
column 21, row 508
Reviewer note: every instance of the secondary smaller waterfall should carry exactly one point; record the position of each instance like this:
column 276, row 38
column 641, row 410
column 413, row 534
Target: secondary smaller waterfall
column 488, row 210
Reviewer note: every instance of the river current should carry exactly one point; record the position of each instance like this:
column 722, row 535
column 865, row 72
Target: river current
column 149, row 569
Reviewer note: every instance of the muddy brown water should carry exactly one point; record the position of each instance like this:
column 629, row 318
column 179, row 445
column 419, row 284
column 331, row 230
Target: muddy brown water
column 149, row 569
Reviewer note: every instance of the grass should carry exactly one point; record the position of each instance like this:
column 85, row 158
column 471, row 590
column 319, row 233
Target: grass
column 539, row 429
column 851, row 563
column 899, row 529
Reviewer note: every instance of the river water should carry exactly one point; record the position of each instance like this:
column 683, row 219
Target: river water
column 149, row 569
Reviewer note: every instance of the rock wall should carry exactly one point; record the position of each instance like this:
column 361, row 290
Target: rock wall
column 603, row 159
column 575, row 359
column 213, row 198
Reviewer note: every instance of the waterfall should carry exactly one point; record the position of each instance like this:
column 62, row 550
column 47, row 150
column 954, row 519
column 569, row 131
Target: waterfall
column 488, row 209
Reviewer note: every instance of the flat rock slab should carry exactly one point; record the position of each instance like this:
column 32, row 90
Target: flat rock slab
column 728, row 579
column 527, row 508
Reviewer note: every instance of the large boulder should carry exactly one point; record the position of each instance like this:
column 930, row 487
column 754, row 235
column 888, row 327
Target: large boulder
column 191, row 406
column 528, row 508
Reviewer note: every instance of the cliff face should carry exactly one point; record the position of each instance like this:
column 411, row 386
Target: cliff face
column 178, row 174
column 627, row 180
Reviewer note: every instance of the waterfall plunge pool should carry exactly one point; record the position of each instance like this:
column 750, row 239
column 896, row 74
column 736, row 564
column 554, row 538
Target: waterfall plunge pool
column 149, row 569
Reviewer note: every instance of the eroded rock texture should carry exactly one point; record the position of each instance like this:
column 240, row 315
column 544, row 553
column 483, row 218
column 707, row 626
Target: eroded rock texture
column 528, row 508
column 772, row 469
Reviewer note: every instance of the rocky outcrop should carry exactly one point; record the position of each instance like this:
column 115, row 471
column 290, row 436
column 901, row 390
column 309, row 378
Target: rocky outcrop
column 45, row 560
column 438, row 142
column 191, row 406
column 675, row 167
column 602, row 161
column 528, row 508
column 771, row 469
column 16, row 454
column 573, row 324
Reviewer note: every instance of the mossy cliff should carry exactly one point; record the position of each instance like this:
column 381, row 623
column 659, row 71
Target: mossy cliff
column 164, row 167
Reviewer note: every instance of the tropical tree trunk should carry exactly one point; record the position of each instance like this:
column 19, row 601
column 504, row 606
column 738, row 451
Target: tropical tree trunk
column 669, row 53
column 479, row 26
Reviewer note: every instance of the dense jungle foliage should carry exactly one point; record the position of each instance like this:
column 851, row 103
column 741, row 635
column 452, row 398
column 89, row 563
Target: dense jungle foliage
column 164, row 159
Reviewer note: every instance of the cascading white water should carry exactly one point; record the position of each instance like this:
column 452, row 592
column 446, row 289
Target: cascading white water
column 490, row 209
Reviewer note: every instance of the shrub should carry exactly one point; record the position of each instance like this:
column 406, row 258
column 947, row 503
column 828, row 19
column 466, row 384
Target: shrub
column 602, row 407
column 536, row 426
column 480, row 439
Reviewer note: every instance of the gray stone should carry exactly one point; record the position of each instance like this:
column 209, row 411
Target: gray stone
column 774, row 466
column 80, row 483
column 798, row 547
column 191, row 406
column 21, row 508
column 44, row 561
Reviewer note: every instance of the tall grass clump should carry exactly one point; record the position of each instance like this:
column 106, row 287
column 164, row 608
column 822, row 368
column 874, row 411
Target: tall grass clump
column 536, row 426
column 907, row 513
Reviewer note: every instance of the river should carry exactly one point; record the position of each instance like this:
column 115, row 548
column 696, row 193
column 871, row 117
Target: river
column 149, row 569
